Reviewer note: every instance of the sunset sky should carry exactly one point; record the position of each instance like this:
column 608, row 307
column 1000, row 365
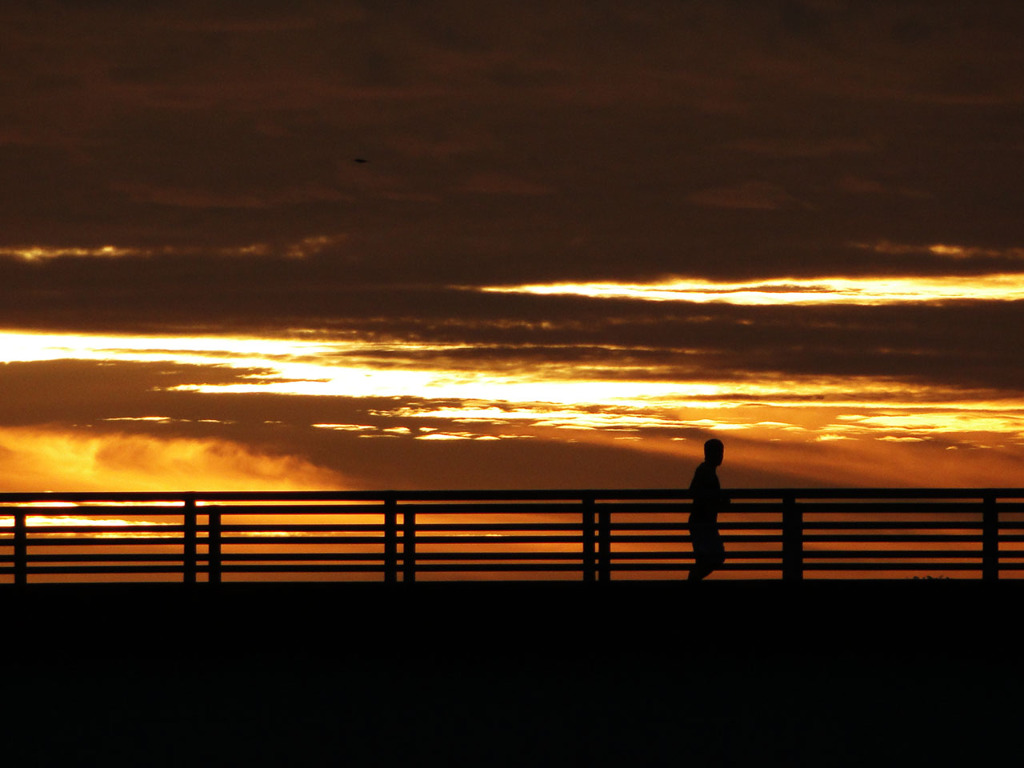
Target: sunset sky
column 278, row 245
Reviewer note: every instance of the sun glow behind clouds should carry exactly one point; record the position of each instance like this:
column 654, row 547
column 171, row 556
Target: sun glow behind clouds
column 241, row 352
column 53, row 459
column 354, row 368
column 553, row 392
column 442, row 398
column 869, row 291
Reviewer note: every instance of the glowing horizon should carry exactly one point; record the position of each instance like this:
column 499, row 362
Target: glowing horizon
column 463, row 403
column 317, row 367
column 787, row 291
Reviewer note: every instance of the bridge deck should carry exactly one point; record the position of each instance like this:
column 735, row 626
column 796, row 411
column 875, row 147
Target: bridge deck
column 540, row 618
column 754, row 673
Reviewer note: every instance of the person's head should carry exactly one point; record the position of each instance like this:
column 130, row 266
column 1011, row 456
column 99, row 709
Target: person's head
column 714, row 450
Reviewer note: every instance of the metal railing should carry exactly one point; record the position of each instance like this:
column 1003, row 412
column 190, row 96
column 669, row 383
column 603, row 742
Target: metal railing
column 585, row 535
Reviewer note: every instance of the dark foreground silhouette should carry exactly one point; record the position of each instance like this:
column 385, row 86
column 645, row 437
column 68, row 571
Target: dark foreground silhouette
column 708, row 500
column 631, row 673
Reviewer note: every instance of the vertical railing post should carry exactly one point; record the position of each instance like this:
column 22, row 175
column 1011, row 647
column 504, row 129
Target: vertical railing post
column 189, row 565
column 390, row 540
column 20, row 547
column 604, row 543
column 408, row 546
column 792, row 540
column 990, row 539
column 213, row 546
column 589, row 540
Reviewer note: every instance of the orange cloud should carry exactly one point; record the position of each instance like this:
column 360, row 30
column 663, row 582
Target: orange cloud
column 39, row 459
column 793, row 291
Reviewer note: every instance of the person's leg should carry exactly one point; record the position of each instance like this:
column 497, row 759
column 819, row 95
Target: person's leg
column 716, row 552
column 699, row 570
column 708, row 554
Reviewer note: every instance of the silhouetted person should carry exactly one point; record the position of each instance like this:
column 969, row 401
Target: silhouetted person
column 708, row 499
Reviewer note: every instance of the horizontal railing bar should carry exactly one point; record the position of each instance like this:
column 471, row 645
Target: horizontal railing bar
column 112, row 557
column 437, row 557
column 498, row 556
column 287, row 510
column 378, row 529
column 904, row 555
column 889, row 525
column 731, row 517
column 891, row 567
column 497, row 526
column 296, row 527
column 975, row 521
column 771, row 568
column 809, row 521
column 401, row 496
column 514, row 507
column 912, row 506
column 879, row 493
column 879, row 538
column 577, row 539
column 455, row 568
column 684, row 558
column 474, row 568
column 724, row 525
column 498, row 568
column 92, row 542
column 541, row 567
column 352, row 568
column 809, row 554
column 264, row 540
column 752, row 539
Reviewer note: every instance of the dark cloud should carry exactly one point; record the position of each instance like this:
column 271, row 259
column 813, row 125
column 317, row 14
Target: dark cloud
column 173, row 167
column 748, row 195
column 120, row 116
